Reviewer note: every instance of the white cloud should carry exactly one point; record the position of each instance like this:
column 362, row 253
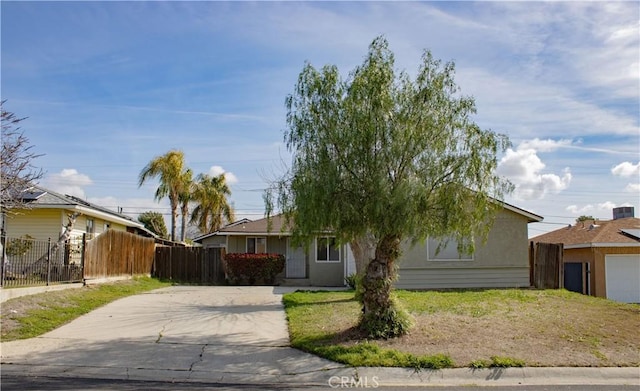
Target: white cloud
column 228, row 176
column 547, row 145
column 626, row 169
column 524, row 169
column 606, row 206
column 633, row 188
column 68, row 181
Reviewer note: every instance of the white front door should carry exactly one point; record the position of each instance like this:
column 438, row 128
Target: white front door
column 296, row 262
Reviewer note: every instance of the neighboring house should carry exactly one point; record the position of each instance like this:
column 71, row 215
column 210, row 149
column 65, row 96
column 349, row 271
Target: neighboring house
column 48, row 215
column 601, row 258
column 502, row 261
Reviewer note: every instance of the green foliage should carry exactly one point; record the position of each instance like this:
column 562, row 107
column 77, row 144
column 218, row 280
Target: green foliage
column 382, row 154
column 19, row 246
column 386, row 322
column 369, row 354
column 506, row 362
column 212, row 207
column 253, row 267
column 58, row 308
column 585, row 218
column 169, row 169
column 352, row 281
column 154, row 222
column 480, row 364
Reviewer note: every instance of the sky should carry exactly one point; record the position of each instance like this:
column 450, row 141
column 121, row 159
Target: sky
column 108, row 86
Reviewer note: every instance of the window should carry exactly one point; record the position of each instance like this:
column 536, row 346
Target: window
column 448, row 251
column 90, row 227
column 327, row 250
column 256, row 245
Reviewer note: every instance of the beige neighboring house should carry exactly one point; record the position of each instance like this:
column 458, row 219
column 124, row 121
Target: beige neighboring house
column 48, row 215
column 503, row 261
column 601, row 258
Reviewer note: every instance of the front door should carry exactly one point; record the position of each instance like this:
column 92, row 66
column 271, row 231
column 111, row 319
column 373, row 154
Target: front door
column 296, row 262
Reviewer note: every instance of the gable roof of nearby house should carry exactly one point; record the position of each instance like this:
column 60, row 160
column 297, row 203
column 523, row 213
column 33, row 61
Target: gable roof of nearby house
column 40, row 198
column 260, row 226
column 609, row 233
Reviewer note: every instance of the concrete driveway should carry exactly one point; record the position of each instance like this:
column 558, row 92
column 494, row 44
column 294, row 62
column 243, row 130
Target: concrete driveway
column 182, row 333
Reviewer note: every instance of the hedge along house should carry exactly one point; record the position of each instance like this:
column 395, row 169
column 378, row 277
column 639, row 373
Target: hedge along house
column 503, row 261
column 601, row 258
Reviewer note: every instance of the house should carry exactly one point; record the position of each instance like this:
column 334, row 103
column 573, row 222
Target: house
column 48, row 215
column 501, row 262
column 601, row 258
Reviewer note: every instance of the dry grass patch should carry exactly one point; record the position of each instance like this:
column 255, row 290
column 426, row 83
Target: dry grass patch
column 539, row 328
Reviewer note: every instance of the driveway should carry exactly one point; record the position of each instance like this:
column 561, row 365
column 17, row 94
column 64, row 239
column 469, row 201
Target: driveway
column 184, row 333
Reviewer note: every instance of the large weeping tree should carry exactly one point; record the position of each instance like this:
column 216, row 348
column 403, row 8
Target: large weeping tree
column 384, row 158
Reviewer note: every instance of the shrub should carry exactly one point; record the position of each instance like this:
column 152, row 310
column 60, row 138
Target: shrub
column 351, row 280
column 253, row 267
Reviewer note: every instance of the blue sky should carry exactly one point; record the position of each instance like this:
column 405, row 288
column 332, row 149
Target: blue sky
column 107, row 86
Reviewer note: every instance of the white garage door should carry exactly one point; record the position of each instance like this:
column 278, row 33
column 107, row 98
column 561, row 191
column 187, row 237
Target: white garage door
column 623, row 278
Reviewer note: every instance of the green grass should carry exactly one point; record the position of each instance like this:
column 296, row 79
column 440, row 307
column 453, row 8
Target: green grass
column 315, row 308
column 324, row 323
column 47, row 311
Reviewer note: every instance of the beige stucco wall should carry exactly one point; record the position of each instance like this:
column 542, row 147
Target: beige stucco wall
column 503, row 261
column 43, row 224
column 325, row 273
column 215, row 241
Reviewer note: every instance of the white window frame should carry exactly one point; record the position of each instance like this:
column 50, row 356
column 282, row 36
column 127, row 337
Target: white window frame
column 432, row 244
column 255, row 238
column 328, row 251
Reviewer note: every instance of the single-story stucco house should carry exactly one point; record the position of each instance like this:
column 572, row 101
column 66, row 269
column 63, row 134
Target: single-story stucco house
column 601, row 257
column 503, row 261
column 48, row 212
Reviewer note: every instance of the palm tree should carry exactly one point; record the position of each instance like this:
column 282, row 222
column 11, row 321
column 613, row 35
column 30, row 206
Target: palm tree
column 212, row 209
column 184, row 196
column 169, row 168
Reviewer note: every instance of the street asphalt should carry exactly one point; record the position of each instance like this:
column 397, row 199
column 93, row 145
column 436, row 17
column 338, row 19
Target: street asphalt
column 233, row 336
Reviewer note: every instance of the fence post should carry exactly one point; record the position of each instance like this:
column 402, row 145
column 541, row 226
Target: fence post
column 3, row 244
column 83, row 254
column 49, row 261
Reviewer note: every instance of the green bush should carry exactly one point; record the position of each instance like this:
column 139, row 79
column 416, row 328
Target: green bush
column 253, row 267
column 351, row 280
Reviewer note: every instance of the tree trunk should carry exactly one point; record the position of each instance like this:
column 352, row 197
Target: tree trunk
column 381, row 316
column 363, row 249
column 183, row 225
column 174, row 218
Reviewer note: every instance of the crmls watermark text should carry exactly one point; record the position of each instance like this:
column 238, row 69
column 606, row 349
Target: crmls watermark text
column 353, row 382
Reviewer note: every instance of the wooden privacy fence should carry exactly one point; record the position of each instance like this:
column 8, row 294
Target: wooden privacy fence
column 195, row 265
column 548, row 265
column 117, row 253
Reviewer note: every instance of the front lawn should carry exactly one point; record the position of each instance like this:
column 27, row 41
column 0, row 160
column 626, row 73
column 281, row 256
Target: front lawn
column 30, row 316
column 473, row 328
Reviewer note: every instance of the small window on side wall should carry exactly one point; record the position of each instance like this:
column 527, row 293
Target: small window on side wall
column 256, row 245
column 327, row 250
column 448, row 251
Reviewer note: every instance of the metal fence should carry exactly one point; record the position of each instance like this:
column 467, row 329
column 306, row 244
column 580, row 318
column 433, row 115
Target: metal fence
column 29, row 262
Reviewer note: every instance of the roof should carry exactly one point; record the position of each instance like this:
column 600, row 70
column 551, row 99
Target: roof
column 260, row 227
column 249, row 227
column 609, row 233
column 40, row 198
